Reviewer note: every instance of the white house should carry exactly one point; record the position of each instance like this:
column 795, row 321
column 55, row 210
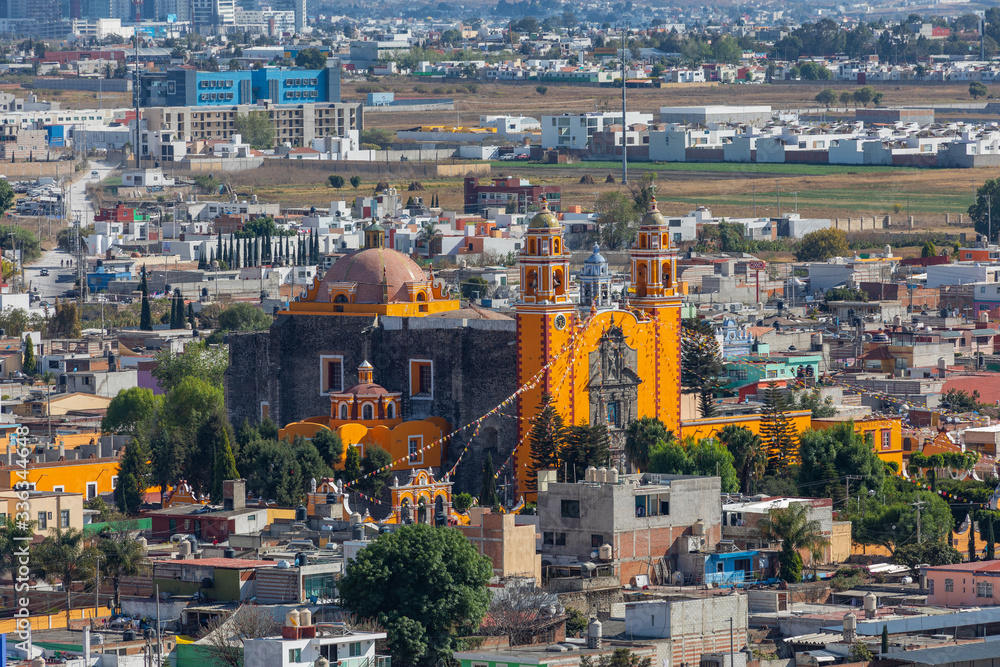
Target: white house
column 332, row 641
column 150, row 177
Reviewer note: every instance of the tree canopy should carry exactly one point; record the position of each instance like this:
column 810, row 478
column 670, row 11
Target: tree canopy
column 256, row 129
column 821, row 245
column 426, row 585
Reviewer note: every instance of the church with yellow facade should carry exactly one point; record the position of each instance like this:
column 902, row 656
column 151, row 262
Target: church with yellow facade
column 380, row 350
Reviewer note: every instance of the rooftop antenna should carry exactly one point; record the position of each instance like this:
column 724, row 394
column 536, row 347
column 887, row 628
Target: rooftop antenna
column 624, row 29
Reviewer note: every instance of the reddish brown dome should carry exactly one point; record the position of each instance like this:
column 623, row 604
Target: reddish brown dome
column 366, row 268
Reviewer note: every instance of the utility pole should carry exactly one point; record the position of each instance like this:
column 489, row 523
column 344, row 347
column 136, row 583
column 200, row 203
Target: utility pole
column 918, row 504
column 754, row 190
column 777, row 189
column 159, row 640
column 847, row 480
column 138, row 91
column 97, row 588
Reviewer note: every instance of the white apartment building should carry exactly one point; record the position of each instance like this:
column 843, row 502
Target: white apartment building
column 574, row 131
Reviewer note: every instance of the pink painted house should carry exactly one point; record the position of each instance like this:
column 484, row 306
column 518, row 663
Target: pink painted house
column 963, row 584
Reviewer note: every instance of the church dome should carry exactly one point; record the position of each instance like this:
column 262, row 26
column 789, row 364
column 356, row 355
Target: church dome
column 544, row 219
column 367, row 268
column 653, row 217
column 595, row 265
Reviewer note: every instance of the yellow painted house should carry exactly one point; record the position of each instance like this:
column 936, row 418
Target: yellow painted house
column 88, row 477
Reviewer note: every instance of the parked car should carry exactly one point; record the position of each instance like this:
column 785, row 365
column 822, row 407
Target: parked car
column 43, row 272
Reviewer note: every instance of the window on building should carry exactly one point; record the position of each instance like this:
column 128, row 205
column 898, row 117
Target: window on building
column 343, row 411
column 413, row 449
column 43, row 521
column 930, row 586
column 367, row 412
column 355, row 649
column 59, row 489
column 949, row 585
column 560, row 539
column 886, row 439
column 421, row 378
column 64, row 518
column 91, row 490
column 294, row 655
column 548, row 538
column 596, row 540
column 984, row 589
column 570, row 509
column 331, row 374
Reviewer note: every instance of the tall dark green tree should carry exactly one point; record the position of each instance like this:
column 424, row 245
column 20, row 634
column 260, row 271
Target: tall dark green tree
column 488, row 492
column 776, row 431
column 584, row 445
column 145, row 317
column 133, row 476
column 749, row 454
column 981, row 211
column 701, row 365
column 546, row 438
column 218, row 249
column 885, row 640
column 986, row 528
column 224, row 466
column 177, row 310
column 28, row 364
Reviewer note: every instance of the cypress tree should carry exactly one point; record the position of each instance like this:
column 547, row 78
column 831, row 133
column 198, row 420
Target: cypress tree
column 488, row 493
column 315, row 259
column 236, row 258
column 224, row 466
column 177, row 320
column 28, row 362
column 145, row 317
column 218, row 252
column 986, row 521
column 885, row 640
column 190, row 315
column 287, row 256
column 973, row 554
column 133, row 476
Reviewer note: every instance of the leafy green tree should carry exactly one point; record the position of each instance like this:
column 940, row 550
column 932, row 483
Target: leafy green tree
column 461, row 502
column 256, row 129
column 379, row 137
column 821, row 245
column 860, row 652
column 616, row 220
column 174, row 446
column 244, row 317
column 797, row 532
column 28, row 364
column 978, row 89
column 928, row 250
column 749, row 454
column 64, row 556
column 310, row 58
column 777, row 432
column 145, row 318
column 372, row 464
column 703, row 457
column 546, row 438
column 812, row 71
column 475, row 285
column 620, row 657
column 329, row 446
column 488, row 490
column 12, row 542
column 336, row 181
column 980, row 212
column 846, row 97
column 813, row 401
column 701, row 364
column 827, row 97
column 930, row 552
column 845, row 294
column 864, row 96
column 844, row 451
column 576, row 623
column 197, row 361
column 426, row 585
column 130, row 409
column 641, row 436
column 355, row 182
column 133, row 476
column 121, row 555
column 6, row 196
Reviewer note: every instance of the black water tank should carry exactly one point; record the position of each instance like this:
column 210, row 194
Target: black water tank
column 300, row 513
column 128, row 636
column 230, row 553
column 204, row 291
column 358, row 532
column 301, row 559
column 331, row 498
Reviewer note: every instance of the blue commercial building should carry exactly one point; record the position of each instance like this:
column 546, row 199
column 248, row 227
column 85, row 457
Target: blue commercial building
column 191, row 88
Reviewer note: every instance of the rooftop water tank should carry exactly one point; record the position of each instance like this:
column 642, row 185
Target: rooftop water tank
column 591, row 474
column 604, row 552
column 292, row 619
column 612, row 475
column 602, row 474
column 305, row 618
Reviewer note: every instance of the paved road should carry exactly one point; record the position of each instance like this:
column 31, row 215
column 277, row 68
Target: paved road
column 61, row 277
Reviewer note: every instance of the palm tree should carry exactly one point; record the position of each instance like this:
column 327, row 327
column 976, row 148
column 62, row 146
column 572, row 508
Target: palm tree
column 797, row 532
column 11, row 543
column 641, row 436
column 429, row 233
column 749, row 454
column 64, row 556
column 120, row 555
